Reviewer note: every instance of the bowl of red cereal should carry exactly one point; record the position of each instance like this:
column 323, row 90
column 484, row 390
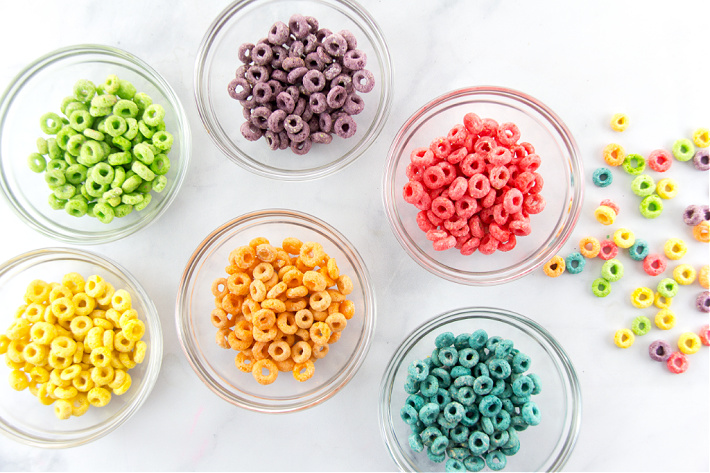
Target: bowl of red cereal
column 293, row 90
column 480, row 387
column 275, row 311
column 82, row 344
column 482, row 185
column 94, row 144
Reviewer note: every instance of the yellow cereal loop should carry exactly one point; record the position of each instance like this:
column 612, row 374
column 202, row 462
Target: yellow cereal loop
column 95, row 286
column 642, row 297
column 624, row 238
column 19, row 329
column 624, row 338
column 133, row 330
column 689, row 343
column 701, row 137
column 619, row 122
column 38, row 291
column 127, row 315
column 18, row 380
column 63, row 346
column 124, row 386
column 74, row 282
column 39, row 375
column 65, row 392
column 104, row 302
column 662, row 302
column 121, row 300
column 4, row 343
column 98, row 396
column 303, row 371
column 58, row 361
column 69, row 373
column 605, row 215
column 684, row 274
column 80, row 326
column 36, row 354
column 667, row 188
column 43, row 333
column 62, row 409
column 63, row 308
column 79, row 405
column 675, row 248
column 59, row 291
column 101, row 375
column 83, row 382
column 100, row 357
column 614, row 154
column 139, row 352
column 105, row 324
column 34, row 312
column 119, row 377
column 665, row 319
column 126, row 360
column 94, row 338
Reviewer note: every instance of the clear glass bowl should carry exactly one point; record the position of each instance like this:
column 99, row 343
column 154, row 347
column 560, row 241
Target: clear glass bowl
column 247, row 21
column 39, row 89
column 561, row 170
column 545, row 447
column 215, row 365
column 22, row 417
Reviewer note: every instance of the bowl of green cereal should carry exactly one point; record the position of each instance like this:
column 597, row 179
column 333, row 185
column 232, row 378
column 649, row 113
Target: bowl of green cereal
column 478, row 388
column 82, row 347
column 94, row 144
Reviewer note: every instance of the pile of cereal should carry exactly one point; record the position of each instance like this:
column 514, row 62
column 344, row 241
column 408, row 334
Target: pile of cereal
column 72, row 343
column 300, row 85
column 476, row 187
column 281, row 308
column 107, row 154
column 469, row 399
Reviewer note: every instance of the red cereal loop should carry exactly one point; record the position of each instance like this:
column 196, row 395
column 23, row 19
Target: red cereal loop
column 498, row 176
column 529, row 149
column 508, row 134
column 476, row 226
column 498, row 232
column 486, row 215
column 466, row 207
column 442, row 207
column 489, row 127
column 534, row 203
column 469, row 142
column 472, row 123
column 608, row 249
column 525, row 181
column 457, row 155
column 500, row 156
column 704, row 334
column 677, row 363
column 660, row 160
column 454, row 223
column 513, row 200
column 414, row 172
column 519, row 225
column 654, row 264
column 412, row 192
column 478, row 186
column 509, row 244
column 473, row 164
column 500, row 215
column 470, row 246
column 461, row 233
column 424, row 203
column 440, row 147
column 457, row 135
column 436, row 221
column 449, row 171
column 484, row 145
column 539, row 183
column 436, row 234
column 489, row 199
column 518, row 152
column 529, row 163
column 433, row 177
column 610, row 203
column 458, row 188
column 422, row 156
column 488, row 245
column 445, row 243
column 423, row 222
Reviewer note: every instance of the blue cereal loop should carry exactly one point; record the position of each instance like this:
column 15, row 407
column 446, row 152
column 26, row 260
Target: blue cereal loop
column 411, row 385
column 639, row 250
column 602, row 177
column 415, row 442
column 474, row 463
column 482, row 385
column 530, row 413
column 444, row 340
column 465, row 396
column 459, row 371
column 501, row 421
column 409, row 414
column 575, row 262
column 496, row 460
column 499, row 438
column 503, row 348
column 454, row 465
column 478, row 339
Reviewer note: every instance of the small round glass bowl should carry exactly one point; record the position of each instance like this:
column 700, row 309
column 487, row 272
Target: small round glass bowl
column 215, row 365
column 247, row 21
column 22, row 417
column 544, row 447
column 561, row 170
column 39, row 89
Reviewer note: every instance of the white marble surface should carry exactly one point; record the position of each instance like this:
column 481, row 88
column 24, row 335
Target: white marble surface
column 585, row 60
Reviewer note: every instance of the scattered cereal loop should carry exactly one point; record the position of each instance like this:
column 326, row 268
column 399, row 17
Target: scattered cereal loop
column 619, row 122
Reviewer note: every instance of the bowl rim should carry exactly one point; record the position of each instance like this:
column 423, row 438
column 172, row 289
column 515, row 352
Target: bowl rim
column 573, row 387
column 152, row 372
column 208, row 118
column 187, row 343
column 390, row 193
column 28, row 72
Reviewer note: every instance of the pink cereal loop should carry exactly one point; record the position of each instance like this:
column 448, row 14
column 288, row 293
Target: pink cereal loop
column 660, row 160
column 473, row 123
column 508, row 134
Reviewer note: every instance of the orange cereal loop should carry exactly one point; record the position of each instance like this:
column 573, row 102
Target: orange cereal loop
column 301, row 351
column 249, row 306
column 285, row 270
column 319, row 351
column 296, row 292
column 554, row 267
column 260, row 350
column 293, row 278
column 263, row 272
column 303, row 334
column 242, row 257
column 304, row 318
column 265, row 252
column 282, row 259
column 619, row 122
column 277, row 290
column 286, row 322
column 231, row 303
column 314, row 281
column 614, row 154
column 294, row 305
column 232, row 268
column 257, row 290
column 347, row 308
column 292, row 245
column 220, row 319
column 238, row 283
column 589, row 247
column 336, row 322
column 303, row 371
column 333, row 308
column 320, row 333
column 328, row 280
column 332, row 268
column 320, row 300
column 244, row 361
column 254, row 242
column 334, row 337
column 311, row 254
column 243, row 330
column 285, row 365
column 221, row 338
column 264, row 335
column 274, row 304
column 263, row 319
column 335, row 295
column 701, row 231
column 345, row 285
column 279, row 350
column 704, row 277
column 237, row 344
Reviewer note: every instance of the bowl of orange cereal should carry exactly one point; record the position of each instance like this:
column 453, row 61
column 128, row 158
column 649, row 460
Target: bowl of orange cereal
column 275, row 311
column 82, row 345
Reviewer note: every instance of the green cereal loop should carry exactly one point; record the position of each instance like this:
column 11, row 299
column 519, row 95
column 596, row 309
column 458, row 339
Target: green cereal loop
column 55, row 178
column 74, row 144
column 104, row 212
column 145, row 187
column 126, row 90
column 601, row 287
column 102, row 173
column 50, row 123
column 122, row 143
column 131, row 183
column 641, row 325
column 77, row 206
column 104, row 101
column 119, row 175
column 90, row 210
column 75, row 174
column 667, row 287
column 132, row 130
column 93, row 188
column 111, row 84
column 612, row 270
column 63, row 136
column 65, row 102
column 634, row 164
column 125, row 109
column 142, row 100
column 115, row 125
column 163, row 140
column 55, row 203
column 112, row 193
column 132, row 198
column 55, row 152
column 80, row 120
column 683, row 149
column 143, row 153
column 154, row 114
column 651, row 206
column 99, row 111
column 120, row 158
column 74, row 107
column 113, row 201
column 95, row 135
column 100, row 125
column 83, row 192
column 36, row 162
column 91, row 152
column 69, row 159
column 143, row 171
column 64, row 192
column 84, row 90
column 42, row 146
column 643, row 185
column 159, row 184
column 122, row 210
column 138, row 138
column 146, row 200
column 145, row 129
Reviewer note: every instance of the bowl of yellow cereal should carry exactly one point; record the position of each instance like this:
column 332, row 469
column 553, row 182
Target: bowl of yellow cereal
column 82, row 345
column 275, row 311
column 94, row 144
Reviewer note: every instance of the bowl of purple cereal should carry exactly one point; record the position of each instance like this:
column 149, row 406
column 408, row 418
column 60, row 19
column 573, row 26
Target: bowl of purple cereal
column 293, row 90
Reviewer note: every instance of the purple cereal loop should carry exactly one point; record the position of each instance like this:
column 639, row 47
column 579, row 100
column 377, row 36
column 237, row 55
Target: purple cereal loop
column 278, row 33
column 659, row 350
column 279, row 53
column 291, row 63
column 313, row 62
column 344, row 81
column 310, row 44
column 701, row 159
column 345, row 126
column 355, row 60
column 693, row 215
column 276, row 121
column 363, row 81
column 336, row 97
column 239, row 89
column 296, row 49
column 302, row 147
column 276, row 87
column 313, row 124
column 244, row 52
column 322, row 33
column 702, row 302
column 296, row 74
column 335, row 45
column 300, row 106
column 262, row 92
column 350, row 38
column 250, row 132
column 332, row 71
column 325, row 122
column 262, row 54
column 285, row 102
column 321, row 137
column 256, row 74
column 301, row 135
column 283, row 140
column 354, row 104
column 299, row 26
column 307, row 114
column 241, row 71
column 317, row 102
column 260, row 116
column 293, row 91
column 279, row 75
column 246, row 113
column 249, row 102
column 272, row 139
column 314, row 81
column 323, row 55
column 293, row 123
column 312, row 24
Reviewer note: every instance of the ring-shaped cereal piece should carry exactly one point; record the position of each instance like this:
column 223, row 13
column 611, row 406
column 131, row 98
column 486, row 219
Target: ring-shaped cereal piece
column 614, row 154
column 605, row 215
column 74, row 281
column 320, row 300
column 304, row 318
column 651, row 206
column 639, row 250
column 320, row 332
column 623, row 238
column 244, row 361
column 661, row 301
column 301, row 351
column 236, row 343
column 121, row 300
column 641, row 325
column 619, row 122
column 336, row 321
column 667, row 287
column 602, row 177
column 634, row 164
column 643, row 185
column 345, row 284
column 61, row 291
column 574, row 263
column 554, row 267
column 263, row 271
column 675, row 248
column 704, row 276
column 98, row 396
column 231, row 303
column 260, row 350
column 642, row 297
column 257, row 290
column 286, row 322
column 601, row 287
column 612, row 270
column 677, row 363
column 659, row 350
column 667, row 188
column 263, row 319
column 267, row 364
column 683, row 149
column 303, row 371
column 660, row 160
column 63, row 308
column 62, row 409
column 38, row 291
column 311, row 254
column 608, row 250
column 624, row 338
column 291, row 245
column 701, row 231
column 242, row 257
column 701, row 137
column 279, row 350
column 83, row 303
column 704, row 334
column 265, row 252
column 689, row 343
column 665, row 319
column 95, row 286
column 589, row 247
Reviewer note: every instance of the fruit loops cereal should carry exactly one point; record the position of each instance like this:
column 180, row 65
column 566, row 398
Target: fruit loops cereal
column 73, row 342
column 602, row 177
column 677, row 363
column 659, row 350
column 614, row 154
column 701, row 137
column 704, row 334
column 624, row 338
column 280, row 307
column 689, row 343
column 701, row 160
column 554, row 267
column 468, row 401
column 476, row 187
column 107, row 154
column 619, row 122
column 702, row 302
column 703, row 276
column 300, row 85
column 660, row 160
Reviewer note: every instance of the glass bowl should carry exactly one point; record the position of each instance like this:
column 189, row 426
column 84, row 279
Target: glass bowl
column 247, row 21
column 545, row 447
column 561, row 170
column 22, row 417
column 39, row 89
column 215, row 365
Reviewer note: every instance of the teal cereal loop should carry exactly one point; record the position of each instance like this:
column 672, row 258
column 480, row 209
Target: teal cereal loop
column 411, row 385
column 503, row 349
column 428, row 386
column 483, row 385
column 36, row 162
column 454, row 466
column 602, row 177
column 415, row 442
column 442, row 375
column 153, row 114
column 490, row 405
column 683, row 149
column 471, row 416
column 486, row 425
column 416, row 401
column 125, row 109
column 478, row 443
column 651, row 206
column 429, row 434
column 530, row 413
column 468, row 357
column 639, row 250
column 474, row 463
column 496, row 460
column 643, row 185
column 601, row 287
column 84, row 90
column 115, row 125
column 453, row 412
column 80, row 120
column 538, row 383
column 429, row 413
column 641, row 325
column 612, row 270
column 407, row 413
column 448, row 356
column 501, row 421
column 444, row 340
column 499, row 368
column 523, row 386
column 459, row 371
column 163, row 140
column 634, row 164
column 499, row 438
column 521, row 363
column 667, row 288
column 575, row 263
